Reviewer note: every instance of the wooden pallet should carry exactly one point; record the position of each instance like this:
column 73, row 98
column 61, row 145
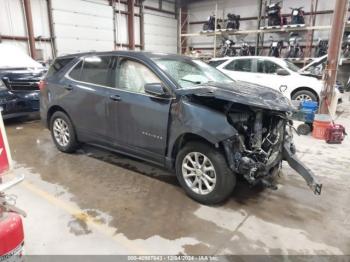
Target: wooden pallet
column 206, row 31
column 227, row 30
column 270, row 27
column 218, row 30
column 300, row 60
column 280, row 27
column 294, row 26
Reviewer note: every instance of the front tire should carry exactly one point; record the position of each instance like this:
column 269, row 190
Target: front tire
column 204, row 174
column 304, row 95
column 63, row 133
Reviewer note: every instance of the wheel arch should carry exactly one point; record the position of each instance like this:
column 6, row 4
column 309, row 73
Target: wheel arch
column 51, row 111
column 185, row 138
column 307, row 89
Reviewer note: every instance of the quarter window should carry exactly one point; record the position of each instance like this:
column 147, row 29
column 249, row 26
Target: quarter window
column 58, row 65
column 133, row 76
column 76, row 71
column 241, row 65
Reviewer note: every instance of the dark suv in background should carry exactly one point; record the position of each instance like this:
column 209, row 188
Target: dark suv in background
column 173, row 111
column 19, row 92
column 19, row 82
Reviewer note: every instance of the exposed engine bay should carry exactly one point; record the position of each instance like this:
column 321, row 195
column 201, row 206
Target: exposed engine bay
column 256, row 149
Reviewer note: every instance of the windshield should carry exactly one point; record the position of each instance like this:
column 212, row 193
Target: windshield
column 216, row 63
column 316, row 67
column 291, row 66
column 188, row 73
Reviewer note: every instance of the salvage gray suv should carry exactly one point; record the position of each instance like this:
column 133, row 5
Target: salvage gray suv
column 174, row 111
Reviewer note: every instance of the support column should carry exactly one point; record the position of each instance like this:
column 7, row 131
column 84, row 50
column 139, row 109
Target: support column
column 184, row 28
column 259, row 37
column 131, row 31
column 215, row 28
column 51, row 28
column 114, row 25
column 335, row 41
column 179, row 30
column 142, row 26
column 29, row 22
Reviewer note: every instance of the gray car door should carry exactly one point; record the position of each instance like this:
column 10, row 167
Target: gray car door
column 91, row 82
column 140, row 120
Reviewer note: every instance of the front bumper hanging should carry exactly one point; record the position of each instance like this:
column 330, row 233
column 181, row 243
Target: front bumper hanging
column 302, row 170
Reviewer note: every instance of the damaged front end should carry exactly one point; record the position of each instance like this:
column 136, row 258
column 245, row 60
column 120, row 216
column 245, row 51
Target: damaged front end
column 262, row 141
column 262, row 135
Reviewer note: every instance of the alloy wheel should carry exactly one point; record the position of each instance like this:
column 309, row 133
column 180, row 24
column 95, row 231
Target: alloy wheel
column 303, row 97
column 199, row 173
column 61, row 132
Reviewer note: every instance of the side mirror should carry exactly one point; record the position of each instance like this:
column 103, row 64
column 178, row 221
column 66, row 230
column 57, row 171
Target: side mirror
column 156, row 89
column 282, row 72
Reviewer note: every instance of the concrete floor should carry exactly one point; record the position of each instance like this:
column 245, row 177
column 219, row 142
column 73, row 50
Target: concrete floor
column 97, row 202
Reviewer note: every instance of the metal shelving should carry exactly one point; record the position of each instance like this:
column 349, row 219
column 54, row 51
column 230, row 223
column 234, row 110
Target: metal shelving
column 261, row 30
column 283, row 29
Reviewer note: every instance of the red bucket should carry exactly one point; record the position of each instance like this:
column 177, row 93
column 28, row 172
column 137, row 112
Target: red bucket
column 320, row 125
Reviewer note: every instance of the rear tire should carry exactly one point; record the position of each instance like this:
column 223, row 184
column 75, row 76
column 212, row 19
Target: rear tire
column 213, row 171
column 63, row 133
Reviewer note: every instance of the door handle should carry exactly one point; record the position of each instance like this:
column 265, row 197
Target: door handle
column 115, row 97
column 69, row 87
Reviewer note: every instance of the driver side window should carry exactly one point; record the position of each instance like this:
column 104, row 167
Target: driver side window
column 133, row 76
column 267, row 67
column 240, row 65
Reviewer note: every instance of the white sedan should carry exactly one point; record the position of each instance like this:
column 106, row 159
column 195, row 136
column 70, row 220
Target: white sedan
column 273, row 72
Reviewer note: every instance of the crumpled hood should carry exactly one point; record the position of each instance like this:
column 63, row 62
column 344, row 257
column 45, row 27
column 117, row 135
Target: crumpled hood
column 242, row 93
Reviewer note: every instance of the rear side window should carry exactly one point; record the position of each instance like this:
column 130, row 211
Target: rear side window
column 241, row 65
column 97, row 70
column 216, row 63
column 58, row 65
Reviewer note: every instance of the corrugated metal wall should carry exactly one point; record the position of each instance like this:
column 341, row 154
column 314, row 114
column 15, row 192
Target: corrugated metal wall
column 160, row 32
column 12, row 23
column 160, row 28
column 81, row 25
column 86, row 25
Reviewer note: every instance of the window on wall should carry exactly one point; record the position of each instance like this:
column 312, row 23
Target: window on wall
column 98, row 70
column 241, row 65
column 133, row 76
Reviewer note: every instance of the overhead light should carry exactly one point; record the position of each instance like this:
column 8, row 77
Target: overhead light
column 93, row 59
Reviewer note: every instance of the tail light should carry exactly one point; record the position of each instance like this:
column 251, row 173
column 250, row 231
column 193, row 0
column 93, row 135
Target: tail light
column 42, row 85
